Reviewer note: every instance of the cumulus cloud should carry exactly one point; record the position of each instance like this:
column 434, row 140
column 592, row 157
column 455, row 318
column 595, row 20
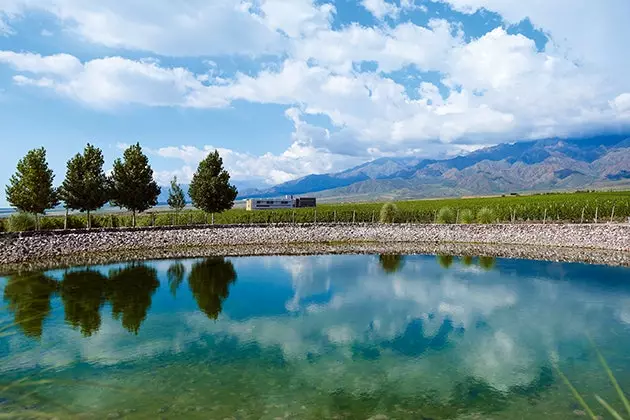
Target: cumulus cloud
column 458, row 92
column 306, row 155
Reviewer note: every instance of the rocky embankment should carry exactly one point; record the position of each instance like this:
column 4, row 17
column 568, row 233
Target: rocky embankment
column 605, row 243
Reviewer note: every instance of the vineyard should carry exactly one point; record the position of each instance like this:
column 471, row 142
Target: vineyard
column 587, row 207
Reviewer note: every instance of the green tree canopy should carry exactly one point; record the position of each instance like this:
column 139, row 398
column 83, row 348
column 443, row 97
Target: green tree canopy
column 176, row 198
column 85, row 187
column 31, row 188
column 209, row 282
column 210, row 189
column 132, row 184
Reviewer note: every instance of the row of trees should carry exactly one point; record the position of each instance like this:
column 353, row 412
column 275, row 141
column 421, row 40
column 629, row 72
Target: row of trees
column 87, row 188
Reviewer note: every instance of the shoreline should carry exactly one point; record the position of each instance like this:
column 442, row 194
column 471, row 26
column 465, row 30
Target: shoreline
column 607, row 244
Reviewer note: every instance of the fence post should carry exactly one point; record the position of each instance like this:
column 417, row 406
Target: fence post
column 111, row 220
column 335, row 216
column 612, row 215
column 190, row 219
column 315, row 217
column 457, row 217
column 354, row 216
column 582, row 219
column 293, row 217
column 545, row 216
column 596, row 210
column 373, row 214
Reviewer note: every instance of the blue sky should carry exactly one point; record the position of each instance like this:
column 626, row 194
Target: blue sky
column 287, row 88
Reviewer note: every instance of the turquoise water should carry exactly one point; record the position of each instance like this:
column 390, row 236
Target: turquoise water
column 313, row 337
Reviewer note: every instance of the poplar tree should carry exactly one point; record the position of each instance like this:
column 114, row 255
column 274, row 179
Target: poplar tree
column 132, row 185
column 176, row 198
column 85, row 187
column 210, row 189
column 31, row 188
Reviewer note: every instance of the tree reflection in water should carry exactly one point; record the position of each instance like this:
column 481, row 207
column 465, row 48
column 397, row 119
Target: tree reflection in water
column 28, row 296
column 83, row 295
column 445, row 261
column 175, row 275
column 391, row 263
column 209, row 282
column 129, row 290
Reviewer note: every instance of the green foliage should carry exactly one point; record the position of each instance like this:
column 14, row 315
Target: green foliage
column 446, row 215
column 85, row 187
column 28, row 297
column 176, row 198
column 486, row 216
column 466, row 217
column 3, row 225
column 210, row 189
column 31, row 189
column 132, row 184
column 51, row 223
column 20, row 222
column 389, row 213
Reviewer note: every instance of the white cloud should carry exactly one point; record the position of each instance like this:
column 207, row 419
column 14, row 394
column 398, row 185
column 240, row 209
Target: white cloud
column 380, row 8
column 498, row 87
column 194, row 27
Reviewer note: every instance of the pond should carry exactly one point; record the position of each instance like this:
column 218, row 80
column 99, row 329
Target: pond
column 314, row 337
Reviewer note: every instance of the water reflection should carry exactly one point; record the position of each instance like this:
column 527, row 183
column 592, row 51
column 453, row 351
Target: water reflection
column 175, row 275
column 128, row 290
column 209, row 282
column 391, row 263
column 327, row 336
column 28, row 297
column 84, row 294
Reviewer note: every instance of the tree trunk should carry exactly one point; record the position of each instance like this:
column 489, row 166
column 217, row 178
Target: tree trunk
column 65, row 220
column 89, row 222
column 133, row 219
column 36, row 221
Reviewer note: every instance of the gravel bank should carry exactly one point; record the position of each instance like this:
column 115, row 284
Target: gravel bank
column 602, row 243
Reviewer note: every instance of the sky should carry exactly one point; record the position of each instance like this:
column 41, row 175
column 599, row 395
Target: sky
column 286, row 88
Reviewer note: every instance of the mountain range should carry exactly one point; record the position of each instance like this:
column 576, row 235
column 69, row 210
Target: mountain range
column 542, row 165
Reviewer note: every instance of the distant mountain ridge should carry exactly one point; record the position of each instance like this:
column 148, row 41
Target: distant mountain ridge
column 548, row 164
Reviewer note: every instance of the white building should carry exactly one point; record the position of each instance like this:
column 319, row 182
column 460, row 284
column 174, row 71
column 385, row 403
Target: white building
column 269, row 204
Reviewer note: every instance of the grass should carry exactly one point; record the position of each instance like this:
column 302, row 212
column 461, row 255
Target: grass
column 614, row 413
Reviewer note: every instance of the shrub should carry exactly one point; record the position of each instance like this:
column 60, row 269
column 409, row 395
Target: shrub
column 51, row 223
column 3, row 226
column 466, row 217
column 446, row 215
column 486, row 216
column 20, row 222
column 389, row 211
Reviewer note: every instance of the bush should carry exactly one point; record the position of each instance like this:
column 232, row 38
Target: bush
column 389, row 211
column 466, row 217
column 20, row 222
column 3, row 225
column 51, row 223
column 446, row 215
column 486, row 216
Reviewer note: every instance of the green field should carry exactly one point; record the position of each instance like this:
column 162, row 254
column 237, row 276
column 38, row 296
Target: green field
column 568, row 207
